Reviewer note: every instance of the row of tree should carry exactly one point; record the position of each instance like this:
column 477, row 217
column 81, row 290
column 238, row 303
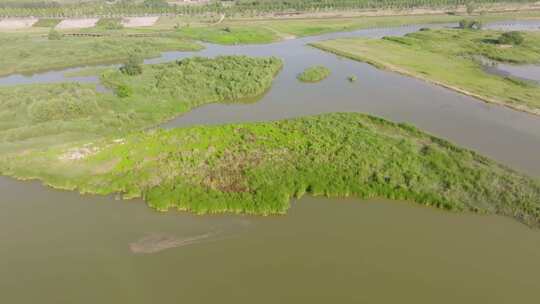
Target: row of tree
column 235, row 7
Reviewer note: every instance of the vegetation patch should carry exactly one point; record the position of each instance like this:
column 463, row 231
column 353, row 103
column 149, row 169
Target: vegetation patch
column 229, row 34
column 257, row 168
column 22, row 53
column 314, row 74
column 512, row 38
column 449, row 58
column 470, row 24
column 110, row 23
column 51, row 114
column 47, row 22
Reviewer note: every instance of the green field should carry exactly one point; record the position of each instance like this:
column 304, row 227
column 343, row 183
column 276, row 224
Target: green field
column 314, row 74
column 25, row 53
column 451, row 58
column 232, row 34
column 257, row 168
column 50, row 114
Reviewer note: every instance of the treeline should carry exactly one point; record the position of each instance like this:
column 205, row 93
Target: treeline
column 230, row 8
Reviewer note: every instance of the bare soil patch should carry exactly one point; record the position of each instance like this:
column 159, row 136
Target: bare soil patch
column 139, row 21
column 77, row 23
column 17, row 23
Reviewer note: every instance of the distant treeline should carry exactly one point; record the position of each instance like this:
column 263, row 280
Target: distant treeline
column 234, row 7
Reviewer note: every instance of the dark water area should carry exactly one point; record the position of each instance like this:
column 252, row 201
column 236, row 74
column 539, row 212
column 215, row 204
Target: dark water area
column 62, row 247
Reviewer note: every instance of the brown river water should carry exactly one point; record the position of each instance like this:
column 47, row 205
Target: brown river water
column 62, row 247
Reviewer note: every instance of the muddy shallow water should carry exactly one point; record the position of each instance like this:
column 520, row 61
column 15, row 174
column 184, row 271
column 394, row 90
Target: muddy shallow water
column 61, row 247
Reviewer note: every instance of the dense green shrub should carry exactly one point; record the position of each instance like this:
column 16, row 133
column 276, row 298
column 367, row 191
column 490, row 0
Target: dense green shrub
column 133, row 66
column 54, row 35
column 123, row 91
column 514, row 38
column 470, row 24
column 314, row 74
column 65, row 106
column 110, row 23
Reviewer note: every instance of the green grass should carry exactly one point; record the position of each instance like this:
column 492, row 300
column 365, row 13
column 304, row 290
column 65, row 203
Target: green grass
column 229, row 34
column 26, row 53
column 110, row 24
column 317, row 26
column 449, row 58
column 47, row 22
column 45, row 115
column 314, row 74
column 257, row 168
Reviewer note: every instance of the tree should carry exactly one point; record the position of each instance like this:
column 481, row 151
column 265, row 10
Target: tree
column 54, row 35
column 470, row 24
column 514, row 38
column 123, row 91
column 132, row 66
column 470, row 6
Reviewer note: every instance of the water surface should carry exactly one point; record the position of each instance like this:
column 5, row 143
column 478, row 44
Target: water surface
column 59, row 247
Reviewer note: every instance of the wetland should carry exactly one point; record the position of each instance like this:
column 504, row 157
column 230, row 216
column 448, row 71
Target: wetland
column 324, row 248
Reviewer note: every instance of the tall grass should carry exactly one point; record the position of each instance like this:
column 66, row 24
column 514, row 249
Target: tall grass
column 33, row 114
column 314, row 74
column 257, row 168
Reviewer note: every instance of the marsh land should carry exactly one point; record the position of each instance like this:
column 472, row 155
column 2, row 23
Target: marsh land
column 201, row 111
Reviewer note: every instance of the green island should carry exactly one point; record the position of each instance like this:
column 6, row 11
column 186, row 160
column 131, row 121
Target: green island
column 257, row 168
column 49, row 114
column 452, row 58
column 314, row 74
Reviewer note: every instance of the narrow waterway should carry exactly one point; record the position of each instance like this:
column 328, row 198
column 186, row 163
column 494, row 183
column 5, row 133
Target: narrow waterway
column 62, row 247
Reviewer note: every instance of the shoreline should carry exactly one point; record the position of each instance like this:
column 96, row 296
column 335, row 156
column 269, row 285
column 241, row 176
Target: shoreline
column 392, row 68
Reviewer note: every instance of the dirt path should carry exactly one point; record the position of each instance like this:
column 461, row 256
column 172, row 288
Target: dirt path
column 139, row 21
column 77, row 23
column 17, row 23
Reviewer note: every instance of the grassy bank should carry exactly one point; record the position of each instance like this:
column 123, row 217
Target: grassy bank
column 450, row 58
column 309, row 26
column 314, row 74
column 230, row 34
column 26, row 53
column 49, row 114
column 258, row 167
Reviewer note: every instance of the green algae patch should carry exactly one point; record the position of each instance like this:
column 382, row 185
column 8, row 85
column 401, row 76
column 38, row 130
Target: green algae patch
column 314, row 74
column 256, row 168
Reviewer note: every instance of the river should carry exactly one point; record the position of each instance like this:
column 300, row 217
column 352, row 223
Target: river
column 62, row 247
